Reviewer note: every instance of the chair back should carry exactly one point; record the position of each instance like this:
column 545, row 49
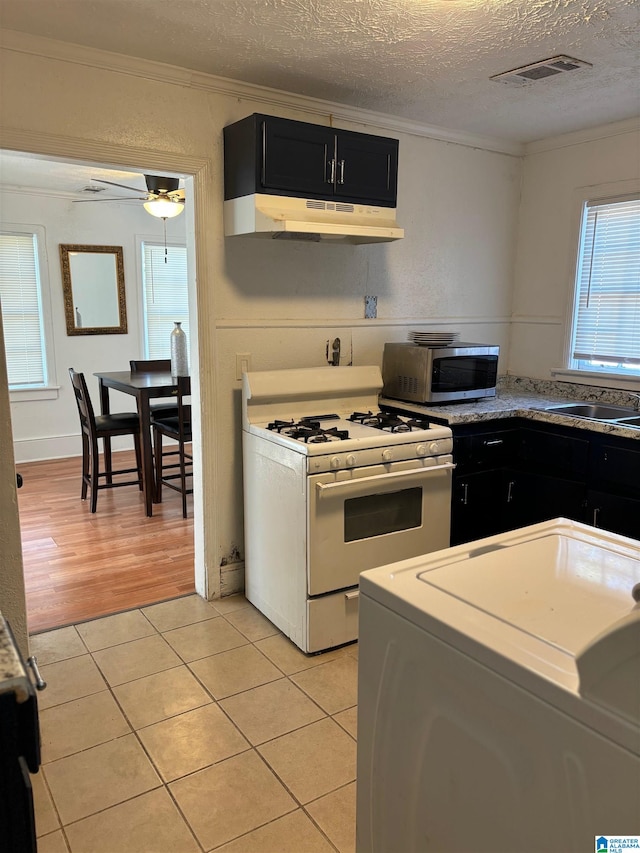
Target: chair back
column 184, row 406
column 83, row 401
column 157, row 365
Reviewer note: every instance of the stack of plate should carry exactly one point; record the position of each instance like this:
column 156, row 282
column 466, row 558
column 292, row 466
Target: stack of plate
column 433, row 339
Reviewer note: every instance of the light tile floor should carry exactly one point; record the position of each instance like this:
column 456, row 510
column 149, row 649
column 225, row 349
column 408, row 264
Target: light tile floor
column 189, row 726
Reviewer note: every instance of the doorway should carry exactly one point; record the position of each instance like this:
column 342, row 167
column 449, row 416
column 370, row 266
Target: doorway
column 79, row 566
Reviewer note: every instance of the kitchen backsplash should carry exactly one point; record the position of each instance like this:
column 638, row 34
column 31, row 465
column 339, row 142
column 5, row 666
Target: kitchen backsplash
column 566, row 390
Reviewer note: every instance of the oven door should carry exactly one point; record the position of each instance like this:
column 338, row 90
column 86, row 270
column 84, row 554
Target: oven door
column 367, row 517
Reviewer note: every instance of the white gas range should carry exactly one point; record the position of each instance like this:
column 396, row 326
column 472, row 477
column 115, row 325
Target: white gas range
column 333, row 486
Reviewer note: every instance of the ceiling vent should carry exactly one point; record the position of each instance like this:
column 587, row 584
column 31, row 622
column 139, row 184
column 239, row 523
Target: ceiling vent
column 540, row 70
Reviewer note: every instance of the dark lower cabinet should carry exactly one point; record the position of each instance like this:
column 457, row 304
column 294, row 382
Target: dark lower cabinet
column 17, row 822
column 557, row 453
column 613, row 500
column 616, row 465
column 614, row 513
column 538, row 497
column 519, row 473
column 478, row 506
column 19, row 748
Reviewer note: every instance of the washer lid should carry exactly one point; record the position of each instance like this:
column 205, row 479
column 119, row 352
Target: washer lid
column 560, row 588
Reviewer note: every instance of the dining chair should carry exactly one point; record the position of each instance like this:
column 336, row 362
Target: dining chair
column 178, row 429
column 103, row 426
column 162, row 407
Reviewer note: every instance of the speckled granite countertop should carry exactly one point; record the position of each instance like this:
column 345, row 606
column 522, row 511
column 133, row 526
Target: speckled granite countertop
column 519, row 397
column 13, row 676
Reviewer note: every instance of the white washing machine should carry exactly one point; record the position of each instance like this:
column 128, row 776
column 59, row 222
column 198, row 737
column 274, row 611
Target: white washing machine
column 499, row 695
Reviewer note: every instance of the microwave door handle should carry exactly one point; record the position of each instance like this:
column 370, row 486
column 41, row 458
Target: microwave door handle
column 326, row 489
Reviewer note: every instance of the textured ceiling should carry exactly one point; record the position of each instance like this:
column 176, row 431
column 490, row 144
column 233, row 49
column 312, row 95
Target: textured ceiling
column 424, row 60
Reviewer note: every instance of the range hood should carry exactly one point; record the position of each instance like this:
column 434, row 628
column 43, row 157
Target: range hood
column 285, row 217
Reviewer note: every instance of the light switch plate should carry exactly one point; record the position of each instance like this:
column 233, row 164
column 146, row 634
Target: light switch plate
column 370, row 307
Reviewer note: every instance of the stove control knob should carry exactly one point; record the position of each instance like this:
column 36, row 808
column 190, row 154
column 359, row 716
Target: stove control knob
column 351, row 460
column 433, row 447
column 335, row 462
column 422, row 450
column 387, row 455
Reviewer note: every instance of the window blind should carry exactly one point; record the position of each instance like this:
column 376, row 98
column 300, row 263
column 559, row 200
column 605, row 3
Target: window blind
column 607, row 316
column 165, row 296
column 22, row 310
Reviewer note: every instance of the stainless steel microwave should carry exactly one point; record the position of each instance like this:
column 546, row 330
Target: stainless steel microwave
column 420, row 374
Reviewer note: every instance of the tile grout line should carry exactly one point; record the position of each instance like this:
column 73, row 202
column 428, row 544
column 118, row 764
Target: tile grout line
column 215, row 702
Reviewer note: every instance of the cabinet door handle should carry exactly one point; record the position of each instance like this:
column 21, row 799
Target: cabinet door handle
column 332, row 171
column 493, row 442
column 596, row 513
column 465, row 492
column 510, row 491
column 341, row 177
column 33, row 663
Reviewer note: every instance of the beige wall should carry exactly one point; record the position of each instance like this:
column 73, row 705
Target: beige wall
column 46, row 429
column 556, row 176
column 279, row 301
column 12, row 602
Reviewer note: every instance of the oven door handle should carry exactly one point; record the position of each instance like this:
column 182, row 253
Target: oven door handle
column 325, row 489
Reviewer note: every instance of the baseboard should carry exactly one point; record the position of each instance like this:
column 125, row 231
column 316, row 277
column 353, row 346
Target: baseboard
column 58, row 447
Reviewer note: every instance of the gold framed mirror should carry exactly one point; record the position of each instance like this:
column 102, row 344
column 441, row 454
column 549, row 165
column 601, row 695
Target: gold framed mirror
column 93, row 288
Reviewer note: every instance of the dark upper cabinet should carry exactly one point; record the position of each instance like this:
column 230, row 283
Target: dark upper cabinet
column 267, row 154
column 296, row 157
column 366, row 168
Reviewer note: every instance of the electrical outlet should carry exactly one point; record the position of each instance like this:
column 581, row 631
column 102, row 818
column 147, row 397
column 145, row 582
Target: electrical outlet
column 243, row 363
column 370, row 307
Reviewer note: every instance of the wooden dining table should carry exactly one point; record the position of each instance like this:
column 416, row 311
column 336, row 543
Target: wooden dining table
column 144, row 387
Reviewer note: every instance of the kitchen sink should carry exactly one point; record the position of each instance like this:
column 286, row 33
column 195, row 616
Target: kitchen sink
column 596, row 411
column 630, row 422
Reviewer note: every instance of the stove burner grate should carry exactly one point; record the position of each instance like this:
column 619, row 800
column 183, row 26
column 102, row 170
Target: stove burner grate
column 308, row 430
column 388, row 421
column 278, row 426
column 314, row 434
column 419, row 423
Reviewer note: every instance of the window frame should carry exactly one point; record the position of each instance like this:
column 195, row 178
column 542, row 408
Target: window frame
column 598, row 194
column 49, row 390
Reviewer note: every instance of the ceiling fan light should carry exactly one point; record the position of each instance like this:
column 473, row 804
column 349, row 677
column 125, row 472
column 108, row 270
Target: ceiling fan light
column 163, row 208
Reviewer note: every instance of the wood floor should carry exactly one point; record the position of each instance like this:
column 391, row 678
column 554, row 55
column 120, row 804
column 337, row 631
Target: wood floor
column 78, row 566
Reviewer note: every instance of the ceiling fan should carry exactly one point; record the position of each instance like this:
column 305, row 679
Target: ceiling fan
column 163, row 198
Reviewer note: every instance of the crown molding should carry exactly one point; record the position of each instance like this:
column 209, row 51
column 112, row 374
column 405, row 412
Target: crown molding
column 579, row 137
column 171, row 74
